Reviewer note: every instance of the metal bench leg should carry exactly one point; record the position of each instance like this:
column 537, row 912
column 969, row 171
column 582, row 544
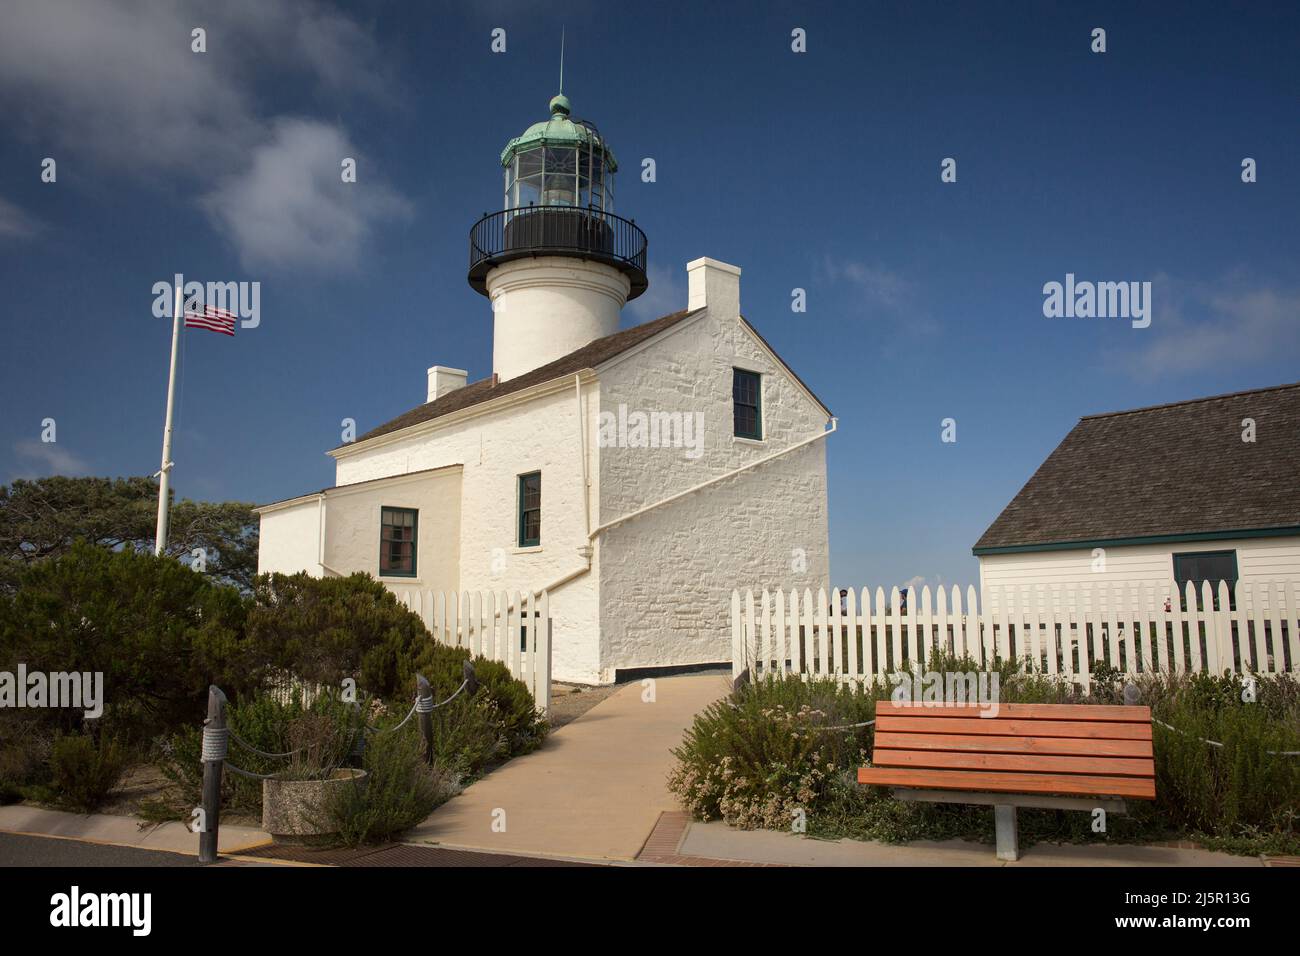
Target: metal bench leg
column 1004, row 823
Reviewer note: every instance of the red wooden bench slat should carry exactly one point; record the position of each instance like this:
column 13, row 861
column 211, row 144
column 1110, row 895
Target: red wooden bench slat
column 1027, row 783
column 1063, row 746
column 981, row 726
column 1028, row 763
column 1084, row 712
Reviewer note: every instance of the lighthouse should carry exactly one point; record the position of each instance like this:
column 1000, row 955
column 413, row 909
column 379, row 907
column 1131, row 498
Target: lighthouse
column 555, row 262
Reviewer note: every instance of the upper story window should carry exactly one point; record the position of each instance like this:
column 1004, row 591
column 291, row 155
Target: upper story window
column 397, row 530
column 1212, row 566
column 530, row 510
column 747, row 403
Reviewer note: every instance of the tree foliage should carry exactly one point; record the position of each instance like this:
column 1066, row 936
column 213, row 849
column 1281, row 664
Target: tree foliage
column 41, row 519
column 159, row 633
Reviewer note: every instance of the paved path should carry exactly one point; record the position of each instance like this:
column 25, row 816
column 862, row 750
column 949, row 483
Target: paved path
column 712, row 842
column 593, row 791
column 113, row 830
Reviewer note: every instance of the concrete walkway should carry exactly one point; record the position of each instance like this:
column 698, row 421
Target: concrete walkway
column 596, row 788
column 112, row 830
column 717, row 841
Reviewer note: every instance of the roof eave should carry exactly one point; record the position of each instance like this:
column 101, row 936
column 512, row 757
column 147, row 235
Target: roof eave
column 1171, row 538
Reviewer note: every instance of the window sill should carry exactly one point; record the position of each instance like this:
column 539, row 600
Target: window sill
column 741, row 440
column 528, row 549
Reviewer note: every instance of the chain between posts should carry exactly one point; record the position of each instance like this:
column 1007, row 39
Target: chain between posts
column 217, row 736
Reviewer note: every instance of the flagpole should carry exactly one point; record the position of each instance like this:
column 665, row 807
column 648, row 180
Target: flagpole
column 164, row 472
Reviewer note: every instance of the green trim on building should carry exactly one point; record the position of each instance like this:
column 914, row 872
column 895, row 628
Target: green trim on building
column 1146, row 539
column 525, row 541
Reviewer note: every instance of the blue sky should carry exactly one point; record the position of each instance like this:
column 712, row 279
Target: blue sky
column 818, row 170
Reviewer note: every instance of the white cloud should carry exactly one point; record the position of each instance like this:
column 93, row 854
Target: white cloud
column 879, row 294
column 920, row 580
column 115, row 83
column 47, row 458
column 291, row 207
column 1200, row 325
column 14, row 223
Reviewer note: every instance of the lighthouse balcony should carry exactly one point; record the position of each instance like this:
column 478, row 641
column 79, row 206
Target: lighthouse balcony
column 575, row 231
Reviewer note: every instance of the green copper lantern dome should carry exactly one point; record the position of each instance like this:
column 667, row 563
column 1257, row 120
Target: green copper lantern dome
column 558, row 200
column 559, row 131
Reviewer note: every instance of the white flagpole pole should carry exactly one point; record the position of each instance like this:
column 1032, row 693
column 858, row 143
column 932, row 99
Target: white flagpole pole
column 160, row 535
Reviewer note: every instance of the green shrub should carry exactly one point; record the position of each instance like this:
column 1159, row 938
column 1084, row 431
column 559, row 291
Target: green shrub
column 400, row 792
column 768, row 750
column 502, row 720
column 755, row 757
column 83, row 772
column 325, row 630
column 25, row 745
column 327, row 727
column 159, row 632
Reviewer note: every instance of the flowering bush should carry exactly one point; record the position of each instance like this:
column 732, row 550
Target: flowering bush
column 763, row 756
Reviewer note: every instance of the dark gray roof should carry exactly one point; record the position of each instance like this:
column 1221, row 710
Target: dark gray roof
column 1178, row 469
column 486, row 389
column 589, row 356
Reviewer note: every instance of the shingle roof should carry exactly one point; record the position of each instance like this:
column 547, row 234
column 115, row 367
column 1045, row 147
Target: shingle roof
column 1171, row 469
column 486, row 389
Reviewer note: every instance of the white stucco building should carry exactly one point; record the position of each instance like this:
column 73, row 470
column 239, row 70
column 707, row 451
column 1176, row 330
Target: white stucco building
column 637, row 474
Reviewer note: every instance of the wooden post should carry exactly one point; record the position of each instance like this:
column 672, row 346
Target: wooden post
column 212, row 774
column 424, row 707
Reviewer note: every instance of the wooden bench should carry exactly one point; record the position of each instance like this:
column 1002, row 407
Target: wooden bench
column 1057, row 756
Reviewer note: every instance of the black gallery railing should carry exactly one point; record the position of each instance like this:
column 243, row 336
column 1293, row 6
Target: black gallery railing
column 536, row 230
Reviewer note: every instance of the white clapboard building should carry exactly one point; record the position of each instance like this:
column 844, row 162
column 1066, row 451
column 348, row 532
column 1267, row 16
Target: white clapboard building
column 1152, row 499
column 637, row 474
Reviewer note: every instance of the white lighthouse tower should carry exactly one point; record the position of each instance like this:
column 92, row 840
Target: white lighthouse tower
column 555, row 262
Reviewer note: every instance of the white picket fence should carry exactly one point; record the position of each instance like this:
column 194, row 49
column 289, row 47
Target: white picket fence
column 504, row 626
column 1133, row 629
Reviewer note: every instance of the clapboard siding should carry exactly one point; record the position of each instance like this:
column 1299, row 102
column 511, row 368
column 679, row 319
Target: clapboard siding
column 1144, row 566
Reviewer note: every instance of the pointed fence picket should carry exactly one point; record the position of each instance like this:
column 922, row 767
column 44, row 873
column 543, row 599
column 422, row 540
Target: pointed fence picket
column 854, row 636
column 510, row 627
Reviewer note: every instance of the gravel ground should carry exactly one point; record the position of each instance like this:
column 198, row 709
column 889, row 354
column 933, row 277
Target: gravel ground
column 571, row 701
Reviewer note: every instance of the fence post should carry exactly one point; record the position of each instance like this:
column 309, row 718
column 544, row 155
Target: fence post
column 214, row 758
column 424, row 707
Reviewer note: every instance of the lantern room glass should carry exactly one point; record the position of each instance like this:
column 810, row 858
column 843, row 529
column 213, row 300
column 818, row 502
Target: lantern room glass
column 559, row 176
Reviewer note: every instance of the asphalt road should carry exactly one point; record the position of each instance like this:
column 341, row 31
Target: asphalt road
column 18, row 850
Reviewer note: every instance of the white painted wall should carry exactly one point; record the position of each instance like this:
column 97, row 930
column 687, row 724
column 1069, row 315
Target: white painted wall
column 352, row 526
column 666, row 577
column 1146, row 565
column 495, row 446
column 659, row 586
column 289, row 538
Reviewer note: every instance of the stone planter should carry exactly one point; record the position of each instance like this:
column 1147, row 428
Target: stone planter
column 293, row 811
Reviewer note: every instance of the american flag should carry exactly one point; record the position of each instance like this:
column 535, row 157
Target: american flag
column 212, row 319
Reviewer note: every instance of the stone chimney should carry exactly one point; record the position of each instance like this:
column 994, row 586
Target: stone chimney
column 443, row 380
column 713, row 284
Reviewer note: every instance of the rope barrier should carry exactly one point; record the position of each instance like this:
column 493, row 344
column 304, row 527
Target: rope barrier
column 1215, row 743
column 422, row 705
column 865, row 723
column 247, row 773
column 215, row 743
column 261, row 753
